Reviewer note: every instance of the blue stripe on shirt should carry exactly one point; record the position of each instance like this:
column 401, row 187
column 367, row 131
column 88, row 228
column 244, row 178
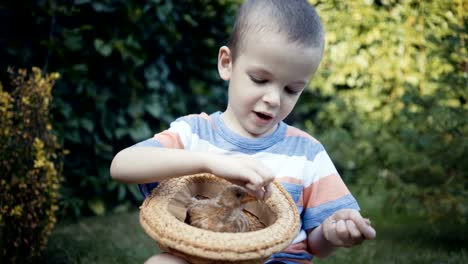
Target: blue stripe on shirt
column 224, row 138
column 294, row 190
column 290, row 256
column 313, row 217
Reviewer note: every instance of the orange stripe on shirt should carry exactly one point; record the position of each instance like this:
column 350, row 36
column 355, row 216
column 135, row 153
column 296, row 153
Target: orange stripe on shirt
column 326, row 189
column 169, row 139
column 296, row 132
column 298, row 247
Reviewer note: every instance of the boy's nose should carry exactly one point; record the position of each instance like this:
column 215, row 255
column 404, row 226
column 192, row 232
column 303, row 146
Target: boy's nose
column 272, row 97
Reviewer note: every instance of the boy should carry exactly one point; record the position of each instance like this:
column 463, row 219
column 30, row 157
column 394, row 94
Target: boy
column 275, row 48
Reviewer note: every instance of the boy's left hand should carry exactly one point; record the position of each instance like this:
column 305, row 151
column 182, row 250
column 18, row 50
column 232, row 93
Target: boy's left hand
column 346, row 228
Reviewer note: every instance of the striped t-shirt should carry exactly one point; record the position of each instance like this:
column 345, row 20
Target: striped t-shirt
column 299, row 161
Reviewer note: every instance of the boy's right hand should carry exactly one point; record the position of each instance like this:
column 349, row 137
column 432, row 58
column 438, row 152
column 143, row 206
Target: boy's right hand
column 243, row 171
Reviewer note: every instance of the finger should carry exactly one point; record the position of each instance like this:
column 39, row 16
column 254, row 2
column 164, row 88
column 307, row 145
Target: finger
column 257, row 190
column 367, row 231
column 264, row 173
column 259, row 194
column 248, row 178
column 238, row 182
column 268, row 191
column 252, row 187
column 330, row 233
column 256, row 180
column 355, row 234
column 342, row 230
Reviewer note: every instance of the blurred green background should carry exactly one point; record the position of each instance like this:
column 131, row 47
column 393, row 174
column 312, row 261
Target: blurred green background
column 389, row 102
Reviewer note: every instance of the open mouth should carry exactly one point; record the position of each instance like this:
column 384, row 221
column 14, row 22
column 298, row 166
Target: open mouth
column 263, row 116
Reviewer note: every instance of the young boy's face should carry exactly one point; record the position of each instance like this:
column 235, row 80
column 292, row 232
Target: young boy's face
column 265, row 81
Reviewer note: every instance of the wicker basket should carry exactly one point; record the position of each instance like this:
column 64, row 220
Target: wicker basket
column 163, row 213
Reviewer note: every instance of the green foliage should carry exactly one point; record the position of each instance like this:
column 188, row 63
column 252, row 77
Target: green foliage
column 388, row 102
column 391, row 101
column 31, row 165
column 129, row 68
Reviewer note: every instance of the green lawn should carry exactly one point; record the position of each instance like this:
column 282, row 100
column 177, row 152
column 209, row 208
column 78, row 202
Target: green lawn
column 111, row 239
column 119, row 238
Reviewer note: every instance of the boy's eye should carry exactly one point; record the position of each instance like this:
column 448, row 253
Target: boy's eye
column 291, row 91
column 257, row 80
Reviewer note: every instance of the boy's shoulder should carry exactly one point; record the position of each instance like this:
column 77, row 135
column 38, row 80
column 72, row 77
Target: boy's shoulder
column 299, row 134
column 297, row 142
column 200, row 116
column 195, row 119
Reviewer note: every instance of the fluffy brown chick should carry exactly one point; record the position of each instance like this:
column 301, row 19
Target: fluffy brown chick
column 222, row 213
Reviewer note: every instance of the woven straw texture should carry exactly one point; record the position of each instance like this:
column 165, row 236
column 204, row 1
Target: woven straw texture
column 162, row 217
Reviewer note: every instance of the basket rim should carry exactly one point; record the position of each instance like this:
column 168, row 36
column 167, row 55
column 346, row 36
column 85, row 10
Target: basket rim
column 172, row 233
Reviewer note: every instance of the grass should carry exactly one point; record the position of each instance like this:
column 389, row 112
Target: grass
column 404, row 241
column 116, row 238
column 119, row 238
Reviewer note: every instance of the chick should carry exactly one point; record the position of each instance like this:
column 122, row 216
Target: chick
column 222, row 213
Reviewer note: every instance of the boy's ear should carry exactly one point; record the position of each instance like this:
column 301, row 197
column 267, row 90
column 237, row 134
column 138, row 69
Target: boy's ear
column 224, row 63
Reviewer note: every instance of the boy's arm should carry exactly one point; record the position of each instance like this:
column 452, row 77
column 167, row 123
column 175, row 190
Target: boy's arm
column 153, row 164
column 345, row 228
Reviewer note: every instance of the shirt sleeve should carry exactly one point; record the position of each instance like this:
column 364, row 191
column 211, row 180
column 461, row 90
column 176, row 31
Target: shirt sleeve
column 177, row 136
column 326, row 192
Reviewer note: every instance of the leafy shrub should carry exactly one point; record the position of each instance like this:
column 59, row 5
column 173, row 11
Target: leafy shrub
column 30, row 166
column 128, row 68
column 391, row 102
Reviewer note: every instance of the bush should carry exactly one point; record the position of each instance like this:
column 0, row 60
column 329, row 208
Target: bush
column 389, row 99
column 30, row 169
column 391, row 102
column 128, row 68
